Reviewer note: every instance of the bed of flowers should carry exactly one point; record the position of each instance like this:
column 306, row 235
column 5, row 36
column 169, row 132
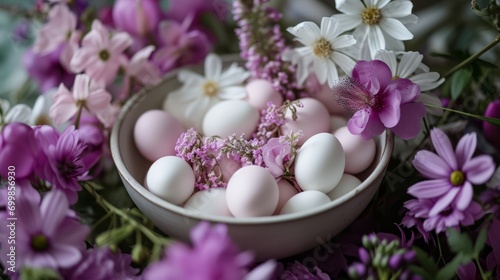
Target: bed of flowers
column 64, row 212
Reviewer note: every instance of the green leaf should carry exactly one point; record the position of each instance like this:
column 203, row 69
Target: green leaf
column 428, row 263
column 459, row 242
column 29, row 273
column 459, row 80
column 483, row 118
column 114, row 236
column 480, row 241
column 450, row 269
column 420, row 271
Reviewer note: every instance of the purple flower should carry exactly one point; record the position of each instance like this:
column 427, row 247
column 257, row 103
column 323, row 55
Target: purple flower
column 298, row 271
column 452, row 173
column 93, row 139
column 180, row 9
column 179, row 45
column 137, row 17
column 491, row 131
column 47, row 234
column 451, row 216
column 380, row 102
column 46, row 70
column 62, row 161
column 212, row 256
column 102, row 264
column 276, row 153
column 18, row 150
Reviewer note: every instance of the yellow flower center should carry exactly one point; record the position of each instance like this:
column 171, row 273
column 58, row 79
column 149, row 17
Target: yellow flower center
column 457, row 178
column 210, row 88
column 371, row 15
column 104, row 55
column 322, row 48
column 39, row 243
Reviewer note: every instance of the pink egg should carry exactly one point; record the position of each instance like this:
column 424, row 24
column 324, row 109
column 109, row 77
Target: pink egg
column 259, row 92
column 337, row 122
column 286, row 191
column 359, row 153
column 155, row 134
column 228, row 167
column 312, row 118
column 347, row 183
column 251, row 192
column 325, row 96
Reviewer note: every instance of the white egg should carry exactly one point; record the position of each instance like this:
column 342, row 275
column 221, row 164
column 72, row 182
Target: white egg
column 304, row 201
column 346, row 184
column 320, row 163
column 171, row 178
column 251, row 192
column 337, row 122
column 209, row 201
column 231, row 117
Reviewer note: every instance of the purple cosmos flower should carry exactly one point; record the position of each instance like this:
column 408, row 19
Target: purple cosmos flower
column 61, row 163
column 276, row 153
column 137, row 17
column 47, row 234
column 491, row 131
column 378, row 102
column 451, row 216
column 179, row 45
column 102, row 264
column 212, row 256
column 19, row 149
column 452, row 173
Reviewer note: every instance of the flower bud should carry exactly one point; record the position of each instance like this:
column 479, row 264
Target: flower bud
column 491, row 131
column 137, row 17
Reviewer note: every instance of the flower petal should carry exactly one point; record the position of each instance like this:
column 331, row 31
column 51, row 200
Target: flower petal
column 349, row 7
column 431, row 165
column 395, row 29
column 443, row 147
column 430, row 188
column 307, row 32
column 343, row 41
column 65, row 255
column 397, row 9
column 479, row 169
column 389, row 58
column 444, row 201
column 120, row 42
column 213, row 67
column 376, row 40
column 357, row 123
column 464, row 197
column 53, row 209
column 409, row 63
column 465, row 148
column 348, row 22
column 374, row 127
column 329, row 28
column 344, row 62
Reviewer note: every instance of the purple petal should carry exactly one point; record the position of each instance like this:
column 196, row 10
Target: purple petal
column 264, row 271
column 375, row 75
column 430, row 188
column 464, row 197
column 443, row 147
column 408, row 90
column 494, row 241
column 467, row 271
column 479, row 169
column 465, row 148
column 431, row 165
column 444, row 201
column 65, row 255
column 374, row 127
column 390, row 112
column 53, row 209
column 357, row 123
column 409, row 122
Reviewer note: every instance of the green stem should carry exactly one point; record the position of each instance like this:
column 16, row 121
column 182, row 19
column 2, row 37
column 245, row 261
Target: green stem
column 78, row 116
column 494, row 121
column 483, row 276
column 474, row 56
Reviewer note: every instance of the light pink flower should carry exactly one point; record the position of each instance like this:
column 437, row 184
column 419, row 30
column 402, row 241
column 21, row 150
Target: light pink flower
column 85, row 93
column 58, row 29
column 101, row 54
column 276, row 154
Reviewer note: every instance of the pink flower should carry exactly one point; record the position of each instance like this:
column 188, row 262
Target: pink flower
column 377, row 101
column 60, row 25
column 101, row 53
column 86, row 94
column 452, row 173
column 179, row 46
column 276, row 154
column 491, row 131
column 137, row 17
column 18, row 148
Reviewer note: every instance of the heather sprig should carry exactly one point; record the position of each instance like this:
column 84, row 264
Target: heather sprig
column 273, row 118
column 246, row 152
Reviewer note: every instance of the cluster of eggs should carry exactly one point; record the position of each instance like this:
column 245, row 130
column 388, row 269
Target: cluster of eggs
column 328, row 158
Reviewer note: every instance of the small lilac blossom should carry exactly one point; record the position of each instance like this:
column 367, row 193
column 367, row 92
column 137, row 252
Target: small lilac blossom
column 451, row 173
column 102, row 264
column 378, row 101
column 61, row 23
column 246, row 152
column 47, row 236
column 491, row 131
column 86, row 94
column 212, row 256
column 63, row 155
column 137, row 17
column 298, row 271
column 18, row 148
column 451, row 216
column 101, row 53
column 179, row 45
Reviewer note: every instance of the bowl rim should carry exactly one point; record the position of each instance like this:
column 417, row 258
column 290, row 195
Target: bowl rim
column 385, row 158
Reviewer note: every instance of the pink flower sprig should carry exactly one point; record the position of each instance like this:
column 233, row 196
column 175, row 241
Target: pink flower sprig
column 279, row 154
column 262, row 45
column 203, row 155
column 273, row 117
column 246, row 152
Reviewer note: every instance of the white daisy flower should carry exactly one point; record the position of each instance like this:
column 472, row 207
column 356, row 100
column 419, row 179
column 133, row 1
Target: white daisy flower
column 377, row 24
column 199, row 93
column 323, row 50
column 17, row 113
column 409, row 65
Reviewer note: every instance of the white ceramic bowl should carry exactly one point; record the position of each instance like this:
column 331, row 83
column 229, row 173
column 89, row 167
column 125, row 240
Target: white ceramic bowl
column 268, row 237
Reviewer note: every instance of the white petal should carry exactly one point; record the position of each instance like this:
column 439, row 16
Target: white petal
column 397, row 9
column 234, row 75
column 361, row 36
column 41, row 108
column 409, row 63
column 307, row 32
column 18, row 113
column 213, row 67
column 389, row 58
column 320, row 67
column 344, row 62
column 302, row 72
column 427, row 81
column 432, row 100
column 329, row 28
column 343, row 41
column 349, row 6
column 376, row 40
column 195, row 112
column 392, row 44
column 395, row 28
column 232, row 93
column 409, row 19
column 333, row 75
column 348, row 22
column 380, row 3
column 189, row 77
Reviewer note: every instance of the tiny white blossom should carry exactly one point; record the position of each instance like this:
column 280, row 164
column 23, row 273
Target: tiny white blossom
column 377, row 24
column 324, row 49
column 199, row 93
